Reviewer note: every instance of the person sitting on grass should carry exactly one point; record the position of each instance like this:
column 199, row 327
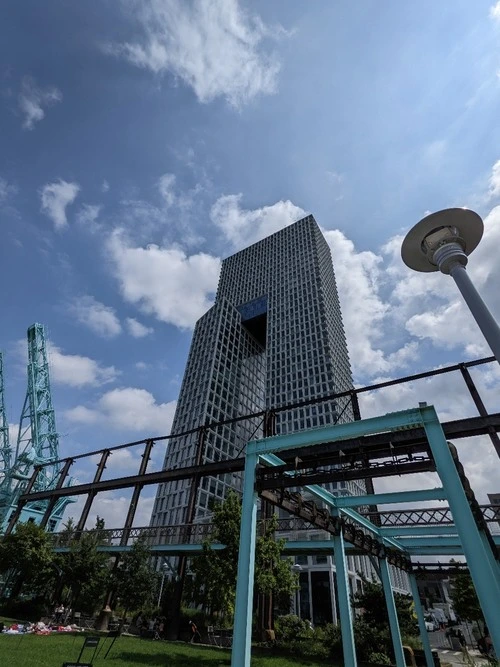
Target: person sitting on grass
column 195, row 635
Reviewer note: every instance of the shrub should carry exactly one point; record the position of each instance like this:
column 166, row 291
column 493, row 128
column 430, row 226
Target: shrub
column 290, row 627
column 379, row 659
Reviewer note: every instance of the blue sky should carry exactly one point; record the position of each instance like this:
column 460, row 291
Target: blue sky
column 143, row 141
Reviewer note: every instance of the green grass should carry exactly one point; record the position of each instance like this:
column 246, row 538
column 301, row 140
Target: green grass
column 53, row 650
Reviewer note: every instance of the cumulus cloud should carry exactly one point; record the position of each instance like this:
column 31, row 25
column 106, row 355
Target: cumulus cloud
column 105, row 186
column 6, row 190
column 495, row 11
column 97, row 317
column 127, row 408
column 477, row 454
column 245, row 226
column 166, row 185
column 112, row 506
column 87, row 215
column 55, row 198
column 136, row 329
column 33, row 99
column 74, row 370
column 494, row 181
column 164, row 281
column 215, row 47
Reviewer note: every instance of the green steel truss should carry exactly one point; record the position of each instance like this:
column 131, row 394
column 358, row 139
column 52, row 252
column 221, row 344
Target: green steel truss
column 37, row 440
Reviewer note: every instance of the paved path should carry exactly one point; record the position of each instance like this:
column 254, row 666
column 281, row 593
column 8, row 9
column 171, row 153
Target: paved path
column 456, row 657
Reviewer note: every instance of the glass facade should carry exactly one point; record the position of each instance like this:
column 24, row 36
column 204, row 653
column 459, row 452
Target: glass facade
column 273, row 337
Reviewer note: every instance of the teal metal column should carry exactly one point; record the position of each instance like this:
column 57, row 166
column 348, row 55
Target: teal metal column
column 421, row 620
column 479, row 559
column 242, row 635
column 391, row 610
column 343, row 592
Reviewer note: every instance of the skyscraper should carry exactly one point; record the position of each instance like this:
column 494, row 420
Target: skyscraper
column 274, row 337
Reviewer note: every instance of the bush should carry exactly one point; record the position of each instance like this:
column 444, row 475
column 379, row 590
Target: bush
column 379, row 659
column 27, row 610
column 368, row 638
column 290, row 627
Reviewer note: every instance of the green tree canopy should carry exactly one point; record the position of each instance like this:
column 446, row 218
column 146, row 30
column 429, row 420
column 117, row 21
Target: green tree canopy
column 27, row 555
column 135, row 581
column 464, row 597
column 85, row 570
column 214, row 573
column 372, row 601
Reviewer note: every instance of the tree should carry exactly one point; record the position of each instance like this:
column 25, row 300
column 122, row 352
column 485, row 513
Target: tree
column 214, row 573
column 372, row 601
column 464, row 597
column 28, row 556
column 135, row 581
column 85, row 570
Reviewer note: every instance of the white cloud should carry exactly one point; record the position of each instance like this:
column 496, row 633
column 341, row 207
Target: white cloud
column 245, row 226
column 88, row 214
column 494, row 182
column 164, row 281
column 55, row 198
column 97, row 317
column 33, row 99
column 214, row 46
column 136, row 329
column 75, row 370
column 6, row 190
column 364, row 312
column 166, row 185
column 105, row 186
column 127, row 408
column 495, row 11
column 141, row 366
column 112, row 507
column 450, row 396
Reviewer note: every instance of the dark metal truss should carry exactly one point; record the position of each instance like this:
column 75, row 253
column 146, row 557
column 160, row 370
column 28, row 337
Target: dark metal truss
column 318, row 517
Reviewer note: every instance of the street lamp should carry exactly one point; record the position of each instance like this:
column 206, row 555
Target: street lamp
column 164, row 567
column 298, row 569
column 442, row 242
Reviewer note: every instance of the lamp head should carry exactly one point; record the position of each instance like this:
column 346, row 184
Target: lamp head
column 452, row 225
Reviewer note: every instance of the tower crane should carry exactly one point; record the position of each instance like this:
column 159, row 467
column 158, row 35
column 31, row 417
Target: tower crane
column 37, row 441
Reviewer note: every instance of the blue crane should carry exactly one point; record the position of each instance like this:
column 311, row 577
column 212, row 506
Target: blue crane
column 37, row 440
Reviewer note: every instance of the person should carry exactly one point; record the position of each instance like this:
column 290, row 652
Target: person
column 195, row 635
column 59, row 612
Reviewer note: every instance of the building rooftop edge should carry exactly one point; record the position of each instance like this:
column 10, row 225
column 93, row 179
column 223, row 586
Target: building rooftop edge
column 309, row 217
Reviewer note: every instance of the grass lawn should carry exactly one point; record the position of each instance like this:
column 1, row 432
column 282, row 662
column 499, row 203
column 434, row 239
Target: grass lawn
column 54, row 650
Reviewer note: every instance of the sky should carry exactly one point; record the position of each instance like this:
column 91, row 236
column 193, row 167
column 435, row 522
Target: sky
column 143, row 142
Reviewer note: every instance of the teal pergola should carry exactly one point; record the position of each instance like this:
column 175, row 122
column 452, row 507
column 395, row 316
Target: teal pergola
column 465, row 533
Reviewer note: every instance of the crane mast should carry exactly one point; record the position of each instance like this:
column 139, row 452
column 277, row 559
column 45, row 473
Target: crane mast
column 37, row 440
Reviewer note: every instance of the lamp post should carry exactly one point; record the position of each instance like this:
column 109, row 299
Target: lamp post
column 164, row 568
column 442, row 242
column 298, row 569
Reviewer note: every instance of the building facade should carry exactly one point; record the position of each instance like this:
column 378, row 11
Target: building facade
column 274, row 337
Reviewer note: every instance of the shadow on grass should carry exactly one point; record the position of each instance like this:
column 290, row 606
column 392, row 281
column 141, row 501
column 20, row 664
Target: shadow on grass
column 172, row 659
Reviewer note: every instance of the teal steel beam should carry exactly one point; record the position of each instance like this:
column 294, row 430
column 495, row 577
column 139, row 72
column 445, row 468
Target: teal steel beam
column 392, row 498
column 424, row 637
column 242, row 636
column 397, row 644
column 393, row 421
column 483, row 568
column 344, row 600
column 437, row 541
column 402, row 531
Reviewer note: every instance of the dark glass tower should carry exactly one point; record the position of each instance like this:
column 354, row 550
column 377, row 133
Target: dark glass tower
column 273, row 337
